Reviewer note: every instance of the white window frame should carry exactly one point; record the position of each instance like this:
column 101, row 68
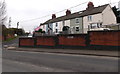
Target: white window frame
column 95, row 25
column 77, row 21
column 56, row 24
column 89, row 17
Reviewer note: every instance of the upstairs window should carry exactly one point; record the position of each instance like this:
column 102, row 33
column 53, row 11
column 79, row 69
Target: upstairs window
column 89, row 18
column 56, row 24
column 77, row 21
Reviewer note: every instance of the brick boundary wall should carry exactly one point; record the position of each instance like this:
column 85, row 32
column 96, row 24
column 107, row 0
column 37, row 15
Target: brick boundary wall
column 46, row 41
column 72, row 41
column 105, row 40
column 27, row 42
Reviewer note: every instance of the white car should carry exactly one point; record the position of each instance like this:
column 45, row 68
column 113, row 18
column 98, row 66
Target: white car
column 97, row 29
column 30, row 35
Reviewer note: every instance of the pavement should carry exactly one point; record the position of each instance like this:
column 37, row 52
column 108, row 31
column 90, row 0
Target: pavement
column 69, row 51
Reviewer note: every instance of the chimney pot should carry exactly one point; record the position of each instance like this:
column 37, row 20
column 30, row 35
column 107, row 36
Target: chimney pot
column 53, row 16
column 68, row 12
column 90, row 5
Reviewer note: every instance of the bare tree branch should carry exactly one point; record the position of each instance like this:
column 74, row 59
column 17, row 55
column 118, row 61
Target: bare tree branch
column 3, row 16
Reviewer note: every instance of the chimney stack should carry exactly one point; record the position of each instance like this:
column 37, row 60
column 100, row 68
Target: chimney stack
column 90, row 6
column 68, row 12
column 53, row 16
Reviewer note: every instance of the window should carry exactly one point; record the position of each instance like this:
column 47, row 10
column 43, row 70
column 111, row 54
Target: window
column 77, row 28
column 89, row 18
column 56, row 30
column 56, row 24
column 50, row 25
column 96, row 25
column 93, row 26
column 77, row 21
column 99, row 25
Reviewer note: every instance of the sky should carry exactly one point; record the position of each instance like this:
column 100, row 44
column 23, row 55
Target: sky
column 30, row 13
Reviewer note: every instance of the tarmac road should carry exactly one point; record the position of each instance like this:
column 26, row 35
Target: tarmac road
column 23, row 61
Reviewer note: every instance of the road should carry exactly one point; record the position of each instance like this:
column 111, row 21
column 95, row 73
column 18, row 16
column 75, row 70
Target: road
column 22, row 61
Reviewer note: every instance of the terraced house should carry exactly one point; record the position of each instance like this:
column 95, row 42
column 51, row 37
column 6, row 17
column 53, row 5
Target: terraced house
column 82, row 21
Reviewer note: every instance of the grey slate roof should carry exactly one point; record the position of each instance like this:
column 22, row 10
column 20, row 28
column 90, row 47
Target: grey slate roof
column 96, row 10
column 86, row 12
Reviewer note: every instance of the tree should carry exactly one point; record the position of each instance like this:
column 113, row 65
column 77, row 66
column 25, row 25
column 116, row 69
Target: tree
column 115, row 10
column 65, row 28
column 117, row 13
column 3, row 16
column 40, row 31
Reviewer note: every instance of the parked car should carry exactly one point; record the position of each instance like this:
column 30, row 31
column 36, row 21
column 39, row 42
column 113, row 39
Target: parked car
column 95, row 29
column 30, row 35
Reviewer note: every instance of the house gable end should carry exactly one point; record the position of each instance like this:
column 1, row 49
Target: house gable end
column 108, row 16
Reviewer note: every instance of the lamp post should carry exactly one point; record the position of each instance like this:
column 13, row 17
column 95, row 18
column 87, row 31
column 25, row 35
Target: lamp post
column 9, row 22
column 17, row 28
column 17, row 24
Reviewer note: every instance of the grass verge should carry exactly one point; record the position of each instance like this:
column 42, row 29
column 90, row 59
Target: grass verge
column 10, row 39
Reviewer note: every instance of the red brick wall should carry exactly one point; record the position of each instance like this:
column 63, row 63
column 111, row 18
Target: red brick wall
column 45, row 41
column 72, row 40
column 26, row 41
column 108, row 38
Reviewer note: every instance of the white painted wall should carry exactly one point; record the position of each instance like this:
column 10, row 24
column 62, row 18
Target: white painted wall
column 60, row 26
column 97, row 18
column 67, row 23
column 54, row 27
column 108, row 16
column 43, row 27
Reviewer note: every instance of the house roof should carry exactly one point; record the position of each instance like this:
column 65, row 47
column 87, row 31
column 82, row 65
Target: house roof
column 74, row 15
column 83, row 13
column 95, row 10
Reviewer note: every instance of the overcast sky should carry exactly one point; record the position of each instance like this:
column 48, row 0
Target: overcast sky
column 22, row 10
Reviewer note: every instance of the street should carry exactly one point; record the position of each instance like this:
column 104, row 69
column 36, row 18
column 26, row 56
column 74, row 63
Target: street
column 22, row 61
